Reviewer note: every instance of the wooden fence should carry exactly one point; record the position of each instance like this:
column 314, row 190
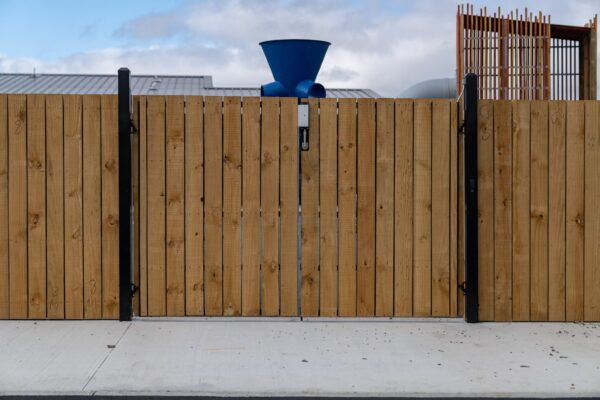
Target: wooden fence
column 219, row 207
column 58, row 207
column 221, row 193
column 539, row 220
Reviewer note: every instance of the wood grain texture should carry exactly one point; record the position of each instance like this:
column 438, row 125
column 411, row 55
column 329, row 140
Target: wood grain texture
column 92, row 208
column 4, row 279
column 134, row 137
column 143, row 203
column 73, row 207
column 575, row 211
column 232, row 206
column 556, row 211
column 110, row 207
column 156, row 212
column 251, row 205
column 384, row 237
column 422, row 208
column 269, row 175
column 347, row 207
column 366, row 207
column 194, row 206
column 328, row 290
column 502, row 211
column 55, row 255
column 36, row 205
column 521, row 213
column 17, row 205
column 213, row 203
column 403, row 209
column 539, row 211
column 289, row 206
column 309, row 167
column 454, row 205
column 592, row 212
column 485, row 207
column 175, row 177
column 440, row 208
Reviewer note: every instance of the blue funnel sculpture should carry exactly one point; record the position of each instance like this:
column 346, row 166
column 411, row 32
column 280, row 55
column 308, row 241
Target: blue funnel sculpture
column 295, row 64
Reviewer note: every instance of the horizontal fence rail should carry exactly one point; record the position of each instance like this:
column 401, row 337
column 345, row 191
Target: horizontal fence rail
column 221, row 205
column 58, row 207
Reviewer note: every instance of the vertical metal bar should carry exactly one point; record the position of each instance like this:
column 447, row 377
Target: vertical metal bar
column 125, row 248
column 471, row 239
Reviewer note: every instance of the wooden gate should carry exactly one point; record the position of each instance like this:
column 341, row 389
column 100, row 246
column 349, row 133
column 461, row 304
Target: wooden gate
column 220, row 209
column 59, row 196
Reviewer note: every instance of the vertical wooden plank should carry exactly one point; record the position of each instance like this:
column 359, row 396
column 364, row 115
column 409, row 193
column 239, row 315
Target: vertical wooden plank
column 73, row 207
column 36, row 205
column 575, row 211
column 485, row 207
column 55, row 256
column 309, row 167
column 592, row 213
column 366, row 207
column 213, row 186
column 4, row 280
column 92, row 211
column 269, row 175
column 521, row 204
column 347, row 207
column 143, row 203
column 556, row 215
column 502, row 211
column 156, row 214
column 403, row 209
column 175, row 207
column 110, row 207
column 440, row 208
column 422, row 209
column 135, row 199
column 289, row 206
column 232, row 206
column 251, row 204
column 194, row 206
column 17, row 205
column 328, row 208
column 384, row 246
column 454, row 204
column 539, row 211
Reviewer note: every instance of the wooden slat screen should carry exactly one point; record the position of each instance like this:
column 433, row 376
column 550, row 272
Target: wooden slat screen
column 58, row 207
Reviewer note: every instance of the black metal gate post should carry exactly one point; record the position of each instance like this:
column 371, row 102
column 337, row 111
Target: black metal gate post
column 471, row 238
column 125, row 115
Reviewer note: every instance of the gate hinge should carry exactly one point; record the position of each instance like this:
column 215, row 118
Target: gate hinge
column 134, row 289
column 463, row 287
column 132, row 127
column 461, row 128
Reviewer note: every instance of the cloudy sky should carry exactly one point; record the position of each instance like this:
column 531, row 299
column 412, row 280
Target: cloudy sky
column 382, row 45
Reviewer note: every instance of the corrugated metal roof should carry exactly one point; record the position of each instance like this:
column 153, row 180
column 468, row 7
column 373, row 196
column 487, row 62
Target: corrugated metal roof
column 102, row 84
column 200, row 85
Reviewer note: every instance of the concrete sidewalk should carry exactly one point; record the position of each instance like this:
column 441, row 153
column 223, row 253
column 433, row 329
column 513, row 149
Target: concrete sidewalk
column 292, row 358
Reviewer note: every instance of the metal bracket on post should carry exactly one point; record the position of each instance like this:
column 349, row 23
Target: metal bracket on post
column 125, row 247
column 471, row 286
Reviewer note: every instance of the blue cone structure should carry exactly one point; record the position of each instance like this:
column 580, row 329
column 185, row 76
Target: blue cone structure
column 295, row 64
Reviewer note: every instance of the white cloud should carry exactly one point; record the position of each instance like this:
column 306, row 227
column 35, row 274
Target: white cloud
column 372, row 45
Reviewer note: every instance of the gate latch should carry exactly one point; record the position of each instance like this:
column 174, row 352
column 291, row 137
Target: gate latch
column 303, row 126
